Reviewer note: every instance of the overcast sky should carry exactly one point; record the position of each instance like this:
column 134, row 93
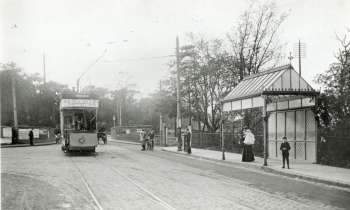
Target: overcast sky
column 74, row 33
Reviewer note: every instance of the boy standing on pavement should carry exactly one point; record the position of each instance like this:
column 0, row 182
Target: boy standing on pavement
column 285, row 151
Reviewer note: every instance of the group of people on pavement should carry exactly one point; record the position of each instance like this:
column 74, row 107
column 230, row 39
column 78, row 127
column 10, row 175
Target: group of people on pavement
column 147, row 139
column 15, row 136
column 248, row 142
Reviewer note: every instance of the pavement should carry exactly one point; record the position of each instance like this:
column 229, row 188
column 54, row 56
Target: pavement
column 307, row 171
column 7, row 142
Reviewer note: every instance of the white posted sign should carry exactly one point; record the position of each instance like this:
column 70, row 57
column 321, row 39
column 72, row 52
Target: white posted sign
column 78, row 103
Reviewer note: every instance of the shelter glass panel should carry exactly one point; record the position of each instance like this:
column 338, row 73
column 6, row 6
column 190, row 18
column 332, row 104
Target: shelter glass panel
column 258, row 102
column 282, row 105
column 290, row 126
column 300, row 150
column 286, row 80
column 272, row 126
column 278, row 83
column 295, row 103
column 310, row 126
column 295, row 80
column 227, row 107
column 303, row 84
column 308, row 102
column 300, row 125
column 271, row 107
column 236, row 105
column 281, row 126
column 272, row 149
column 247, row 103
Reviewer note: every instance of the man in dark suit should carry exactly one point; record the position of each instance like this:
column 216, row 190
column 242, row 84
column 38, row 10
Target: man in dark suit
column 31, row 137
column 285, row 147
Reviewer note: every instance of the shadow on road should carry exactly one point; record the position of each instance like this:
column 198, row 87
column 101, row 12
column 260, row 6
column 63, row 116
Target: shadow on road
column 81, row 154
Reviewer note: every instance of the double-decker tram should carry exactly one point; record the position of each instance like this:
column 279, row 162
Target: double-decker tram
column 78, row 122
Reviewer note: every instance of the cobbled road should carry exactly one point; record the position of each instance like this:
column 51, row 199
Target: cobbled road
column 120, row 176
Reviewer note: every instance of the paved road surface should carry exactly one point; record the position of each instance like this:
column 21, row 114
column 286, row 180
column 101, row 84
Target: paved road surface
column 120, row 176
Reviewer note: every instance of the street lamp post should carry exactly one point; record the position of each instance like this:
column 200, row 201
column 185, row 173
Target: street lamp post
column 178, row 101
column 185, row 52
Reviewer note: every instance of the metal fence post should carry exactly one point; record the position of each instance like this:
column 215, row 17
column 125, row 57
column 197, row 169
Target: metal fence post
column 165, row 135
column 265, row 130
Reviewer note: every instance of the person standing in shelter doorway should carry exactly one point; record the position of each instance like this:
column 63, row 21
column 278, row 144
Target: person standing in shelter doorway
column 31, row 137
column 249, row 139
column 285, row 147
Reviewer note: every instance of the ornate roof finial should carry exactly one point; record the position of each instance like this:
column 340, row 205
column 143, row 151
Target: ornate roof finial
column 290, row 57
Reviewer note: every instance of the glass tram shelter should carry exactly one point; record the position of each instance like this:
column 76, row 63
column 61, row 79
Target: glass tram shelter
column 78, row 122
column 288, row 106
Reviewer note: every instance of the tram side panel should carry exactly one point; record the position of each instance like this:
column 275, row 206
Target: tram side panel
column 82, row 141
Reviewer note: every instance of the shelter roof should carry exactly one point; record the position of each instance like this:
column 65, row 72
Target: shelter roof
column 282, row 78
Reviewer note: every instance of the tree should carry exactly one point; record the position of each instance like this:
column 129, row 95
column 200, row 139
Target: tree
column 37, row 103
column 254, row 40
column 334, row 108
column 207, row 76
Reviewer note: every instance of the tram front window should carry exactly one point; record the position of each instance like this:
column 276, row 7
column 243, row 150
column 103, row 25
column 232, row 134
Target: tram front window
column 80, row 121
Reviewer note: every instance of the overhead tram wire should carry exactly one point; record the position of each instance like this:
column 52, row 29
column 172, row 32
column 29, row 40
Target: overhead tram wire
column 139, row 59
column 89, row 67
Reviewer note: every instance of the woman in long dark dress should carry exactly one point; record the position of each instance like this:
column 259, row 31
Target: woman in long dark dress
column 249, row 139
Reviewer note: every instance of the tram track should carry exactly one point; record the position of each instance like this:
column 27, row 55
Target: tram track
column 93, row 196
column 149, row 193
column 127, row 175
column 98, row 206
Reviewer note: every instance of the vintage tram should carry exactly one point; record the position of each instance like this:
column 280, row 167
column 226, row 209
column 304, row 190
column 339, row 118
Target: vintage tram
column 78, row 122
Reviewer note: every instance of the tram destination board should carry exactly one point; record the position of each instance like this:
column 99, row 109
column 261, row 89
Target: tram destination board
column 78, row 103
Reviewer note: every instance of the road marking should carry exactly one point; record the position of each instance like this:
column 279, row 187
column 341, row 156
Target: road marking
column 161, row 202
column 98, row 205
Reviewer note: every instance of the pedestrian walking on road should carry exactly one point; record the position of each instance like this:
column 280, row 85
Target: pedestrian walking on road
column 249, row 139
column 31, row 137
column 285, row 147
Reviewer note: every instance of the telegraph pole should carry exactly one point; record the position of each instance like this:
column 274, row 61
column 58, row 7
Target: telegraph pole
column 160, row 116
column 120, row 113
column 15, row 121
column 299, row 62
column 0, row 110
column 300, row 52
column 44, row 70
column 178, row 101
